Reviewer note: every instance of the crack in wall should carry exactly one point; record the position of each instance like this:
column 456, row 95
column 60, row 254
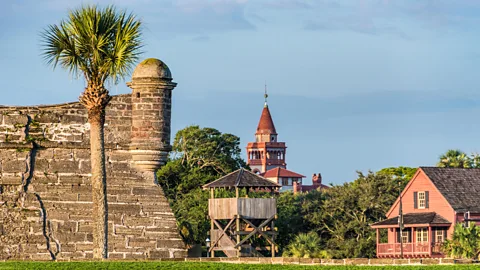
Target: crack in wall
column 46, row 234
column 46, row 224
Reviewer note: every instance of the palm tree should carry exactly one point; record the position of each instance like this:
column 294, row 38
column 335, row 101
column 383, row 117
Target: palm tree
column 454, row 159
column 99, row 44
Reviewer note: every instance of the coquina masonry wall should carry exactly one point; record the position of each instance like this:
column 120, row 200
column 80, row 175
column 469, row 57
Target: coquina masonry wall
column 45, row 188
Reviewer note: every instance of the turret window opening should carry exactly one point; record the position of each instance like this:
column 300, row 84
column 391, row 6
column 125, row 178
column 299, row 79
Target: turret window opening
column 138, row 94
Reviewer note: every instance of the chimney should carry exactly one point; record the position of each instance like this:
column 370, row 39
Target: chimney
column 314, row 179
column 297, row 187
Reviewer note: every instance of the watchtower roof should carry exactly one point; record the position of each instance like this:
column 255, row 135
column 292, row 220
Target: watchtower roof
column 242, row 178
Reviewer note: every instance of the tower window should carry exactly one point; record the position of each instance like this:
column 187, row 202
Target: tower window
column 273, row 138
column 138, row 94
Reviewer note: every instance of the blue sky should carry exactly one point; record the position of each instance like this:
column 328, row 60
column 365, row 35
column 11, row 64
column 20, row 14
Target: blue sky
column 353, row 85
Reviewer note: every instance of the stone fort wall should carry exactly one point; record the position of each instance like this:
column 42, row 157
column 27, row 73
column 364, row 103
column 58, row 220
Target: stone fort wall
column 45, row 188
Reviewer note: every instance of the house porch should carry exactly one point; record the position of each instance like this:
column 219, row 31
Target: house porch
column 422, row 236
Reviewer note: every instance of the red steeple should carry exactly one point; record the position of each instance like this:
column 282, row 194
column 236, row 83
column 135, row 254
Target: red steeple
column 266, row 152
column 265, row 125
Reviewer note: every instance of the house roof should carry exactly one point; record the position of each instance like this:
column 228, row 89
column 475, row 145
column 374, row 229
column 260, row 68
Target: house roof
column 281, row 172
column 459, row 186
column 265, row 125
column 415, row 218
column 241, row 178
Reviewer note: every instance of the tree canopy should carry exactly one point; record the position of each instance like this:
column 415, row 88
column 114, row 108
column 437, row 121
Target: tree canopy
column 200, row 156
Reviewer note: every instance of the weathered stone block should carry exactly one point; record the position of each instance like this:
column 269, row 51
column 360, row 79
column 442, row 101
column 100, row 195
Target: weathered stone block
column 70, row 179
column 290, row 260
column 430, row 261
column 145, row 191
column 62, row 166
column 401, row 261
column 415, row 261
column 41, row 165
column 124, row 208
column 14, row 166
column 157, row 254
column 16, row 120
column 358, row 261
column 84, row 247
column 138, row 221
column 381, row 261
column 446, row 261
column 135, row 256
column 116, row 255
column 16, row 181
column 306, row 260
column 170, row 244
column 121, row 230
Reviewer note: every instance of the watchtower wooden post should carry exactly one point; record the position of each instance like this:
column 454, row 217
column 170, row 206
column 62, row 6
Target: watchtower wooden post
column 234, row 222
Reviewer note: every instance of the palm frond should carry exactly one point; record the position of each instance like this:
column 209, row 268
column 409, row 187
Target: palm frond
column 101, row 44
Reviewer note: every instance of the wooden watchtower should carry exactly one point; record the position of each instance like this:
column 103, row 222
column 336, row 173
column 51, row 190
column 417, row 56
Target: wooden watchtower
column 235, row 222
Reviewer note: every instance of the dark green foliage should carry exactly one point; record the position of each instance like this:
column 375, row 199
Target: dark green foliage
column 465, row 242
column 342, row 215
column 305, row 245
column 200, row 156
column 404, row 174
column 295, row 214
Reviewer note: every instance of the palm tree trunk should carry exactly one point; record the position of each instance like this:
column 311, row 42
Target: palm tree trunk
column 99, row 185
column 96, row 98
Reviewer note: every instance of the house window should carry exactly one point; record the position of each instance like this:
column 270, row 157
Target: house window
column 405, row 236
column 422, row 235
column 421, row 200
column 439, row 236
column 285, row 182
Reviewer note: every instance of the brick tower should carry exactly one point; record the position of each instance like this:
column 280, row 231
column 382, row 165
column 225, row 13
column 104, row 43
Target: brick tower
column 266, row 152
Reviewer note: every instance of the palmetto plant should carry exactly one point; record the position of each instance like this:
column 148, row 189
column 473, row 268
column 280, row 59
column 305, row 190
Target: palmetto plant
column 98, row 44
column 465, row 242
column 305, row 245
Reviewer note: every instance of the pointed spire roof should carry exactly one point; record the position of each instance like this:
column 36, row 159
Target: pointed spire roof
column 265, row 125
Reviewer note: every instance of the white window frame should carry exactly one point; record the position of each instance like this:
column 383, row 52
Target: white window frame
column 422, row 200
column 405, row 234
column 439, row 234
column 421, row 235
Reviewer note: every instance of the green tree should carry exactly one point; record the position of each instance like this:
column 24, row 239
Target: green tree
column 403, row 174
column 465, row 242
column 98, row 44
column 454, row 159
column 349, row 209
column 291, row 220
column 200, row 156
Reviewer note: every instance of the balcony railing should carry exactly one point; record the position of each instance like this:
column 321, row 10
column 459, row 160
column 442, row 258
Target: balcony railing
column 408, row 249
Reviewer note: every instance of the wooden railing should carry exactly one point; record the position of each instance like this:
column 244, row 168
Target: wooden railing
column 437, row 247
column 408, row 249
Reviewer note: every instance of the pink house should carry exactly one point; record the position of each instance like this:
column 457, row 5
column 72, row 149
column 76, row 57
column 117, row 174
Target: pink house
column 433, row 201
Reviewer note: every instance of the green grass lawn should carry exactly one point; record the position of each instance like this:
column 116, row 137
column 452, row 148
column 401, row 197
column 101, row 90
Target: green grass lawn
column 201, row 266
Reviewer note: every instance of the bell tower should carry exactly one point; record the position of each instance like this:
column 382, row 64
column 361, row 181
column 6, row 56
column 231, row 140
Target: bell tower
column 266, row 152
